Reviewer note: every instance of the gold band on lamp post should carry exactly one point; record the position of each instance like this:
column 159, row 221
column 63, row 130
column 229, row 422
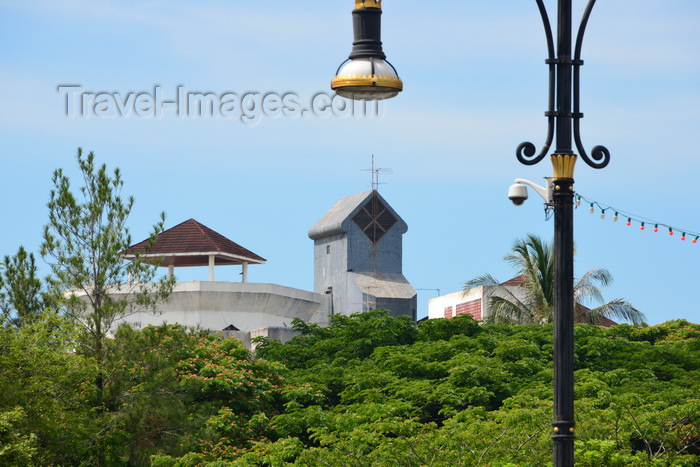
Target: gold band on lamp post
column 563, row 166
column 368, row 4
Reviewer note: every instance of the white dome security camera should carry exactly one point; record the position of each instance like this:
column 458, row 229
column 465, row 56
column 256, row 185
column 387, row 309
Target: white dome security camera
column 517, row 193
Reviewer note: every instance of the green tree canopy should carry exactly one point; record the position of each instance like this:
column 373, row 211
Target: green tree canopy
column 481, row 395
column 22, row 293
column 43, row 376
column 441, row 392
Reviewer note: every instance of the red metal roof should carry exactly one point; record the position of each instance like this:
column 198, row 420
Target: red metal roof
column 518, row 280
column 581, row 318
column 190, row 244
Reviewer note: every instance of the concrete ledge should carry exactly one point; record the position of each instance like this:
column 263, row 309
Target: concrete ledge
column 216, row 305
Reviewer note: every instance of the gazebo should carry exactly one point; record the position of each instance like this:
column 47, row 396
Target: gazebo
column 193, row 244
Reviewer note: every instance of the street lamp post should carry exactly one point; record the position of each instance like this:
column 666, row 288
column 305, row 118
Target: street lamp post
column 563, row 126
column 563, row 123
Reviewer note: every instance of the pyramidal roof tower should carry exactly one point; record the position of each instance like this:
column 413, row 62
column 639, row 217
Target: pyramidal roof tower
column 358, row 257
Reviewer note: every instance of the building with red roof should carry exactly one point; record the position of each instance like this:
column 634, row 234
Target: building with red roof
column 475, row 302
column 191, row 244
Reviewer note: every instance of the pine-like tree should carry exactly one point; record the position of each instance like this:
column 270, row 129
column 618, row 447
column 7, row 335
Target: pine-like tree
column 83, row 242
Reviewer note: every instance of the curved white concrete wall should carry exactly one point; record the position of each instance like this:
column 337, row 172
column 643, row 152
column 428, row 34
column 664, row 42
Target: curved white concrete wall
column 216, row 305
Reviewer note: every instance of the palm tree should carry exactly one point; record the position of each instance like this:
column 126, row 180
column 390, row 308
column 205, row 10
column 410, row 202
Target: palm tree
column 532, row 300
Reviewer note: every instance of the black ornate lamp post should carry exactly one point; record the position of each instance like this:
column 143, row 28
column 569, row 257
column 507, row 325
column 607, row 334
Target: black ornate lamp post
column 563, row 123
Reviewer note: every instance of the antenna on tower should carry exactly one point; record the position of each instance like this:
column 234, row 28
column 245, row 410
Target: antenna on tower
column 375, row 174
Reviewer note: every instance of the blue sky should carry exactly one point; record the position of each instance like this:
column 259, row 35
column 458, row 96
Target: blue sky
column 475, row 87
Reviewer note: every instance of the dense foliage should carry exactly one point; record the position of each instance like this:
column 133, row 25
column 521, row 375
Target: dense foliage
column 173, row 392
column 370, row 390
column 451, row 392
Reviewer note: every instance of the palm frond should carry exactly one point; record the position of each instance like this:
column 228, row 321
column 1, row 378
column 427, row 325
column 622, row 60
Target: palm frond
column 504, row 311
column 617, row 310
column 534, row 259
column 533, row 300
column 484, row 280
column 586, row 289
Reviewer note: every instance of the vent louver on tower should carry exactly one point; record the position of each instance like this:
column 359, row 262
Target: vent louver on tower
column 374, row 219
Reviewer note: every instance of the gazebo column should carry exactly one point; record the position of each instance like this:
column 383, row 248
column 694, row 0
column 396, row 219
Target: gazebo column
column 211, row 268
column 171, row 270
column 244, row 271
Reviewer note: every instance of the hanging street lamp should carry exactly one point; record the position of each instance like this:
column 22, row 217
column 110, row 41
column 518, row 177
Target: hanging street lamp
column 366, row 75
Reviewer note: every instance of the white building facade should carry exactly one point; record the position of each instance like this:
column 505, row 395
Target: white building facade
column 474, row 302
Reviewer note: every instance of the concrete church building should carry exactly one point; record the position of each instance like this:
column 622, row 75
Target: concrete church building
column 357, row 268
column 358, row 257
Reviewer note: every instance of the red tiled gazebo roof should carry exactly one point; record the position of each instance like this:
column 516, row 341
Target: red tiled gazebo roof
column 191, row 244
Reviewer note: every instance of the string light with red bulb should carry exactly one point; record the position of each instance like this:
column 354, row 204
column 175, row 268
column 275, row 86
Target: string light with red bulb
column 631, row 218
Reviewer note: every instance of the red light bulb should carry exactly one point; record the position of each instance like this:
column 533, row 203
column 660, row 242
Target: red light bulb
column 695, row 240
column 670, row 232
column 642, row 227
